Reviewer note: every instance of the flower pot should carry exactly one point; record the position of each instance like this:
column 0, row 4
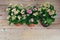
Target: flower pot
column 18, row 24
column 31, row 25
column 44, row 25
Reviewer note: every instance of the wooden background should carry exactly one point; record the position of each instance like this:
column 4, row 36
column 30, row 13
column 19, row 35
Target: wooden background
column 23, row 32
column 4, row 5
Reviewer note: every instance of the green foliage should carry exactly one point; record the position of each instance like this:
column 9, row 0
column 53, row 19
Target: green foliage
column 18, row 14
column 47, row 13
column 31, row 15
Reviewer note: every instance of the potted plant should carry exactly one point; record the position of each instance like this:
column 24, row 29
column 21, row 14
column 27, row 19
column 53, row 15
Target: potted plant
column 31, row 16
column 15, row 13
column 19, row 15
column 46, row 14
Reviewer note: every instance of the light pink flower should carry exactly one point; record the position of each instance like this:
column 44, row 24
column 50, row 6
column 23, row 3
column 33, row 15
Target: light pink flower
column 29, row 11
column 50, row 13
column 35, row 9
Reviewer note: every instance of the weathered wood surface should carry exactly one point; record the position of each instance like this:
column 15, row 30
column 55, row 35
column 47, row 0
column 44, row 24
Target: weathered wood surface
column 29, row 34
column 12, row 32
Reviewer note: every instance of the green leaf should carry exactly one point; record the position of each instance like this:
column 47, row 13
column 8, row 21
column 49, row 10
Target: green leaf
column 51, row 7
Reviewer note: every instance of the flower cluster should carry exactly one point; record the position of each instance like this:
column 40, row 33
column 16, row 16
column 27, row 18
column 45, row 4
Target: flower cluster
column 46, row 14
column 20, row 15
column 31, row 15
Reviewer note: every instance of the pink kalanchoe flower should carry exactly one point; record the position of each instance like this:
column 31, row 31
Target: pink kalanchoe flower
column 29, row 11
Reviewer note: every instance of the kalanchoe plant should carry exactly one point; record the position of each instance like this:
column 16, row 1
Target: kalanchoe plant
column 20, row 15
column 16, row 14
column 31, row 15
column 46, row 14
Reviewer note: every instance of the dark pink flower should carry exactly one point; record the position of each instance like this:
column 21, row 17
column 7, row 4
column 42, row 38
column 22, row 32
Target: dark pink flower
column 29, row 11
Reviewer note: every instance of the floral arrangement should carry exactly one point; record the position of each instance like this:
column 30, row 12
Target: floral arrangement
column 15, row 14
column 31, row 15
column 46, row 14
column 19, row 15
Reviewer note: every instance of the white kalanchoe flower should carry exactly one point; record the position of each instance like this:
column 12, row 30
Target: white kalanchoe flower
column 52, row 16
column 18, row 11
column 53, row 11
column 32, row 20
column 45, row 5
column 35, row 14
column 48, row 10
column 13, row 17
column 39, row 9
column 8, row 17
column 19, row 17
column 48, row 6
column 13, row 10
column 21, row 5
column 12, row 14
column 22, row 11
